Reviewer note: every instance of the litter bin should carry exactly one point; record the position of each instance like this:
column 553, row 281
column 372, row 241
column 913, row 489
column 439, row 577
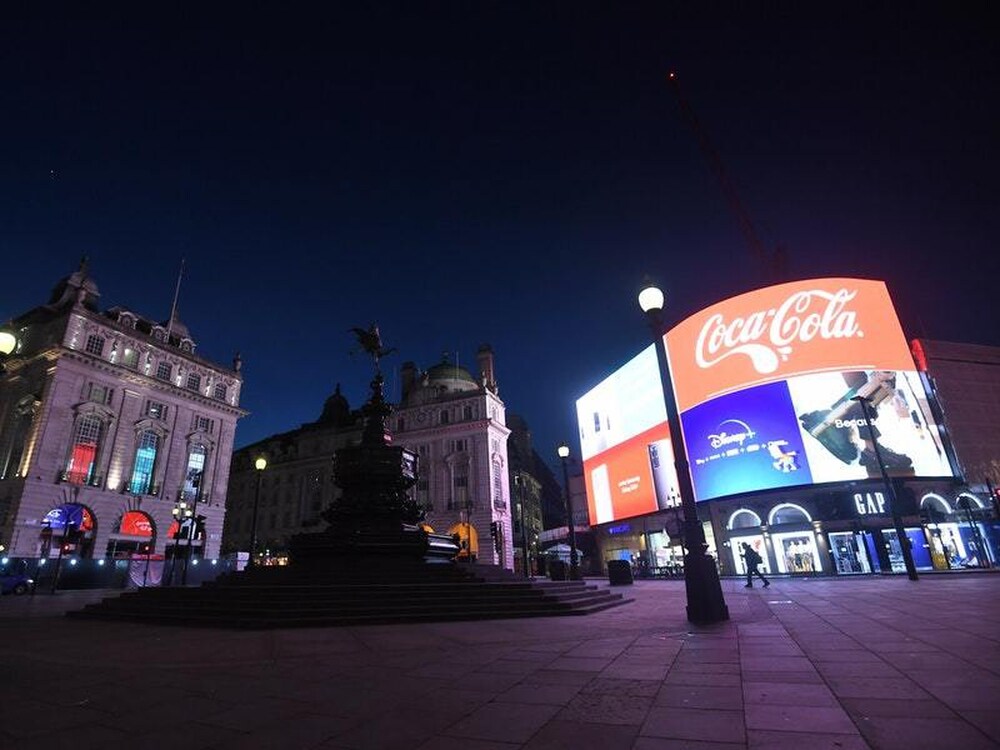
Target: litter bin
column 558, row 570
column 619, row 573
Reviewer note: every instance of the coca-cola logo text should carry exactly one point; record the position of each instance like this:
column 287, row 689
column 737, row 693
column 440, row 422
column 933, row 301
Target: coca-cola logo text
column 768, row 337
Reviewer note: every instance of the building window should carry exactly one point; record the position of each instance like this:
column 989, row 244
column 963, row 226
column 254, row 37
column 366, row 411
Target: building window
column 498, row 501
column 219, row 392
column 193, row 382
column 163, row 371
column 459, row 445
column 95, row 345
column 204, row 424
column 461, row 493
column 19, row 428
column 467, row 413
column 444, row 416
column 156, row 410
column 148, row 445
column 83, row 455
column 99, row 394
column 131, row 358
column 195, row 471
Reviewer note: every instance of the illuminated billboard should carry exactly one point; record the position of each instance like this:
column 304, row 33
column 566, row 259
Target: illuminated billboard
column 766, row 385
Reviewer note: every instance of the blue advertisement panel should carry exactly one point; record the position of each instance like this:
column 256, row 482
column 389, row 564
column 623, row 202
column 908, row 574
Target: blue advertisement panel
column 744, row 442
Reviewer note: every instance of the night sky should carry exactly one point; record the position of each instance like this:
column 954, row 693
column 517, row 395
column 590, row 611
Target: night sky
column 493, row 172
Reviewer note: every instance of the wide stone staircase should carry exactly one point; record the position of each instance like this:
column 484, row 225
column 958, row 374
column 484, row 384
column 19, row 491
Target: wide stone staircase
column 353, row 594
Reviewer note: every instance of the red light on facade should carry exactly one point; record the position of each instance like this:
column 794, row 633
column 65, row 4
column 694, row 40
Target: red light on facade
column 919, row 355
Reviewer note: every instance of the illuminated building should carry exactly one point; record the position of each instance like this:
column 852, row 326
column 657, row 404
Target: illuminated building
column 455, row 423
column 782, row 456
column 108, row 418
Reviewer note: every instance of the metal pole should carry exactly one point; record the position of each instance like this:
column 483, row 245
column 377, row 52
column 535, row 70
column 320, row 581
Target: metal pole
column 574, row 560
column 253, row 524
column 897, row 520
column 705, row 602
column 524, row 531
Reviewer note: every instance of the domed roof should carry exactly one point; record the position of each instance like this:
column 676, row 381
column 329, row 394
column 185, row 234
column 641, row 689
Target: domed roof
column 336, row 410
column 448, row 371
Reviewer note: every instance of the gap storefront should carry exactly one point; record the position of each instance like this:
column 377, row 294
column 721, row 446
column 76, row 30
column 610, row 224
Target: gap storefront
column 850, row 530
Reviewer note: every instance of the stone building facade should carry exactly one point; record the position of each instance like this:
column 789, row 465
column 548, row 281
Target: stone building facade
column 107, row 419
column 454, row 423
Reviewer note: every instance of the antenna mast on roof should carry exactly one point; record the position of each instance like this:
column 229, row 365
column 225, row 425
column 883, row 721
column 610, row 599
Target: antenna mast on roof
column 173, row 307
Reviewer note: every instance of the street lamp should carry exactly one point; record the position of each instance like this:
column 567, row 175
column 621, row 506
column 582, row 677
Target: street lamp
column 183, row 513
column 8, row 345
column 705, row 603
column 260, row 463
column 574, row 560
column 897, row 521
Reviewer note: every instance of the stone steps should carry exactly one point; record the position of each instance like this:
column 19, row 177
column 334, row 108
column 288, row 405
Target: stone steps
column 313, row 597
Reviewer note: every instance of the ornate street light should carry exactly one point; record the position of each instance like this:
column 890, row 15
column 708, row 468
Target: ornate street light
column 574, row 559
column 705, row 602
column 260, row 463
column 8, row 345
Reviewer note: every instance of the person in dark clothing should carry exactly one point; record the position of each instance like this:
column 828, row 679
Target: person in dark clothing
column 752, row 560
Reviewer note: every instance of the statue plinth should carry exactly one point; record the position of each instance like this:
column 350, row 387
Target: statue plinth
column 375, row 516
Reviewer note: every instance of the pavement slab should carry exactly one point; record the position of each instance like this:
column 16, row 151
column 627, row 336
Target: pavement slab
column 864, row 662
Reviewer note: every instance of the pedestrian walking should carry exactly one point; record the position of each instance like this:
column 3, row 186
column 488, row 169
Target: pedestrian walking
column 752, row 561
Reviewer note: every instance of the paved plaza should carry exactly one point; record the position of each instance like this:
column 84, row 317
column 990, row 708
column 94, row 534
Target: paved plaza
column 822, row 663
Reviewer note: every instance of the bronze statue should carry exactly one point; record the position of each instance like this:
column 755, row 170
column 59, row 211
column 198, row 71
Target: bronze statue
column 371, row 343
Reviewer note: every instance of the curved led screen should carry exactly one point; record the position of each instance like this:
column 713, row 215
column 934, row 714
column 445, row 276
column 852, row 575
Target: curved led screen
column 766, row 385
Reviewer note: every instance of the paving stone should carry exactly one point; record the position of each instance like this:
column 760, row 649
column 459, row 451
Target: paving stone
column 694, row 724
column 700, row 696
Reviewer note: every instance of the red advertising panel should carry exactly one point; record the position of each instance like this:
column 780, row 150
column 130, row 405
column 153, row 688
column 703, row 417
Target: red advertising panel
column 820, row 325
column 136, row 523
column 768, row 386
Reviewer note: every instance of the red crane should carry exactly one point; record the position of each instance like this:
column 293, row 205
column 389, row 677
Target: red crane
column 772, row 263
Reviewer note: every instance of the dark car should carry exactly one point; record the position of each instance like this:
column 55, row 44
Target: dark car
column 12, row 582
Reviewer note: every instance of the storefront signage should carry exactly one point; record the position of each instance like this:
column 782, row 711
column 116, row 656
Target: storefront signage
column 869, row 503
column 621, row 528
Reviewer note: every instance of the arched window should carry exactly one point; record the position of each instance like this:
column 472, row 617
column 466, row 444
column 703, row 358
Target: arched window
column 195, row 471
column 744, row 519
column 934, row 502
column 147, row 446
column 83, row 453
column 788, row 513
column 967, row 501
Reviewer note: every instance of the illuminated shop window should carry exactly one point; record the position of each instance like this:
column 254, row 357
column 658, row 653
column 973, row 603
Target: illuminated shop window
column 145, row 460
column 83, row 455
column 195, row 471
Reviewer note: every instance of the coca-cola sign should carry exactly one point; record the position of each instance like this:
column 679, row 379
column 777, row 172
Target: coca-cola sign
column 789, row 329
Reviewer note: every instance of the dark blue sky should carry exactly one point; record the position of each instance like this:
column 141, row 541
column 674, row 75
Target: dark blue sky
column 493, row 172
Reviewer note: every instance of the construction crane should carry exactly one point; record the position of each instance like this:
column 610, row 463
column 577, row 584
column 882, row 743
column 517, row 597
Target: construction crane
column 772, row 264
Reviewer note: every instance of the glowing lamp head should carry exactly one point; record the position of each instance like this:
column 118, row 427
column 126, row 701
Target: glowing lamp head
column 8, row 342
column 651, row 298
column 563, row 451
column 260, row 463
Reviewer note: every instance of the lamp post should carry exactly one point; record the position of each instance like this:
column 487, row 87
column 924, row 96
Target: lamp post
column 705, row 602
column 8, row 345
column 574, row 560
column 260, row 463
column 897, row 521
column 183, row 513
